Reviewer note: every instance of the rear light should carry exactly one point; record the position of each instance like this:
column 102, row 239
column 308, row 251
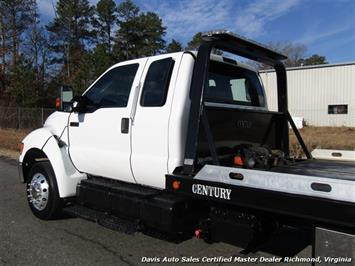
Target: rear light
column 57, row 103
column 176, row 185
column 20, row 147
column 198, row 233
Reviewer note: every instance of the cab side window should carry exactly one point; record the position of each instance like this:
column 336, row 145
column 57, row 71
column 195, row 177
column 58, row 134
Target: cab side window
column 156, row 84
column 113, row 88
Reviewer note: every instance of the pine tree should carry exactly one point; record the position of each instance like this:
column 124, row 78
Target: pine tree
column 104, row 22
column 153, row 32
column 127, row 10
column 70, row 34
column 315, row 59
column 139, row 34
column 194, row 44
column 15, row 18
column 101, row 60
column 22, row 84
column 3, row 50
column 174, row 46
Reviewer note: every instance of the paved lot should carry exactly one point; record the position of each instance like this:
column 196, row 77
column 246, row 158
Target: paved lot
column 26, row 240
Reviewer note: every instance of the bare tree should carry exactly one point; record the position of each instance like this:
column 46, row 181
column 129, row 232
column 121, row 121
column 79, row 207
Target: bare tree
column 295, row 52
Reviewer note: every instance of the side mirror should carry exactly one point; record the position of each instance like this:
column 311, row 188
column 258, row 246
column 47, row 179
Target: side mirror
column 81, row 104
column 64, row 102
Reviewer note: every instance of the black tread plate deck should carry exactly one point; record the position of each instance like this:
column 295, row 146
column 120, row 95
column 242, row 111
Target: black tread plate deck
column 321, row 168
column 104, row 219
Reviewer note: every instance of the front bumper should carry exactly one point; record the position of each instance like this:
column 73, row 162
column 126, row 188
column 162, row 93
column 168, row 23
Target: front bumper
column 20, row 173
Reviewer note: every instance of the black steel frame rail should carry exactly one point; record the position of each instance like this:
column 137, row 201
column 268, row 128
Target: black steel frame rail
column 312, row 210
column 240, row 46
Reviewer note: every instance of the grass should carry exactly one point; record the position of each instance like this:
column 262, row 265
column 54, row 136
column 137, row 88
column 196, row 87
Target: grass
column 339, row 138
column 10, row 138
column 342, row 138
column 9, row 141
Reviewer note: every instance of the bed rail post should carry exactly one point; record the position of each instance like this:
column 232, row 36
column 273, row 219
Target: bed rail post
column 201, row 69
column 282, row 104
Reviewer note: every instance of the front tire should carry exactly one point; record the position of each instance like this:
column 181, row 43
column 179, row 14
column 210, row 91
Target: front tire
column 42, row 192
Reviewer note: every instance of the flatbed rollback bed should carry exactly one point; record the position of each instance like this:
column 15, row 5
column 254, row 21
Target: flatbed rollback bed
column 309, row 192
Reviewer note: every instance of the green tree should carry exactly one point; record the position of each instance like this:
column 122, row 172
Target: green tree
column 70, row 32
column 153, row 32
column 4, row 36
column 195, row 42
column 139, row 34
column 105, row 21
column 21, row 91
column 36, row 52
column 101, row 60
column 174, row 46
column 315, row 60
column 82, row 72
column 16, row 16
column 126, row 11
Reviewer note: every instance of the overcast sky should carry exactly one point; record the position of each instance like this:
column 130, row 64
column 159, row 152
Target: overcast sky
column 326, row 27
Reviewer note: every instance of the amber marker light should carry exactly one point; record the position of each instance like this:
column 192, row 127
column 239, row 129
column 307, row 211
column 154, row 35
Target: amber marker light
column 238, row 161
column 176, row 184
column 20, row 147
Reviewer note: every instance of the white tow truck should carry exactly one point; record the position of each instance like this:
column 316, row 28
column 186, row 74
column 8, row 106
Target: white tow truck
column 182, row 143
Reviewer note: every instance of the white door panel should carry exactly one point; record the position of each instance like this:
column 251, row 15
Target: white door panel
column 97, row 145
column 150, row 134
column 150, row 148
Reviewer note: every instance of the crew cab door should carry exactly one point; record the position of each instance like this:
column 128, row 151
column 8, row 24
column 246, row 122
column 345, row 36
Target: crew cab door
column 100, row 140
column 150, row 129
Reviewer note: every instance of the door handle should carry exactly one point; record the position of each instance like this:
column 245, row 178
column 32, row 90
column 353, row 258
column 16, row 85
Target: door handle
column 74, row 124
column 125, row 125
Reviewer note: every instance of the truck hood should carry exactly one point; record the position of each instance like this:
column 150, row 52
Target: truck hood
column 57, row 122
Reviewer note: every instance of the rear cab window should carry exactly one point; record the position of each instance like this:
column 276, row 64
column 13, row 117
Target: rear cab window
column 156, row 84
column 231, row 84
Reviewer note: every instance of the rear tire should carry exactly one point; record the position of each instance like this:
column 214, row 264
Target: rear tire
column 42, row 192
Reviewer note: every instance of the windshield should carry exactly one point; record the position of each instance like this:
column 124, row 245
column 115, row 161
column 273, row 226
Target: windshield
column 233, row 85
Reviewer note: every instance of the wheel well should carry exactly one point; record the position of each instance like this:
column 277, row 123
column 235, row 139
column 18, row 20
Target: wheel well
column 32, row 156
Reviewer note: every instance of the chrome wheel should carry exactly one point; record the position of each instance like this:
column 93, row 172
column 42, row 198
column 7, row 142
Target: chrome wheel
column 38, row 191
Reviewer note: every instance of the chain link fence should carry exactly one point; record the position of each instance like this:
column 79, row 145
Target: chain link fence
column 23, row 118
column 29, row 118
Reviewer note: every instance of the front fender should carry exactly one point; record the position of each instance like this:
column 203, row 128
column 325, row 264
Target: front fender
column 67, row 175
column 35, row 140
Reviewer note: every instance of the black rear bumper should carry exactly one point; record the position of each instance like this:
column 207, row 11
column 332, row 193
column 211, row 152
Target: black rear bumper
column 313, row 210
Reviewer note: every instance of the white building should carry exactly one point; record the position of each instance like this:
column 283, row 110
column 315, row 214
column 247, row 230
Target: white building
column 324, row 95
